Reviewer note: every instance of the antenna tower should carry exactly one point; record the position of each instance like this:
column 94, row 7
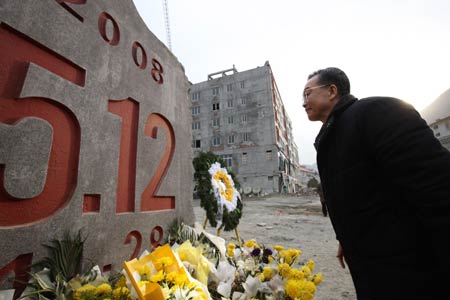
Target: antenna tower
column 166, row 21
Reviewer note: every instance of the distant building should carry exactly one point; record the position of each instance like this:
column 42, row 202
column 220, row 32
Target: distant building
column 240, row 116
column 437, row 115
column 306, row 174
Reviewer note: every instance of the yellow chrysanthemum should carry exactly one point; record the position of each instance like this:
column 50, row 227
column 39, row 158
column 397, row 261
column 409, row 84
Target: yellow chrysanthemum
column 306, row 270
column 171, row 277
column 268, row 273
column 163, row 263
column 284, row 270
column 317, row 278
column 103, row 288
column 86, row 288
column 121, row 293
column 293, row 288
column 278, row 248
column 300, row 289
column 181, row 279
column 157, row 277
column 122, row 282
column 251, row 244
column 296, row 274
column 230, row 249
column 143, row 270
column 311, row 265
column 290, row 255
column 309, row 290
column 84, row 292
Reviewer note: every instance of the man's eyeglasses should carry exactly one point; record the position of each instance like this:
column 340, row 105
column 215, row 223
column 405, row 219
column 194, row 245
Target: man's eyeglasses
column 308, row 90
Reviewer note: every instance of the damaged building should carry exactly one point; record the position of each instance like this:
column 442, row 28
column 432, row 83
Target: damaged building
column 240, row 117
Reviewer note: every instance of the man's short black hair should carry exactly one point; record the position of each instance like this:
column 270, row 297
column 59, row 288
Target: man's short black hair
column 333, row 76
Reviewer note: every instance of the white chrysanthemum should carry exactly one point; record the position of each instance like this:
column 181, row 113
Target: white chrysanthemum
column 223, row 187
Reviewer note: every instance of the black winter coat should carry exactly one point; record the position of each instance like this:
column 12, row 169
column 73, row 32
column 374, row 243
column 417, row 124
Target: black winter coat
column 386, row 182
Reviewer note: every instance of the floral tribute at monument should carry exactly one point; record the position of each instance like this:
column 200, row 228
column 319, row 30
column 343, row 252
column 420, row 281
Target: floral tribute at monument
column 217, row 189
column 193, row 265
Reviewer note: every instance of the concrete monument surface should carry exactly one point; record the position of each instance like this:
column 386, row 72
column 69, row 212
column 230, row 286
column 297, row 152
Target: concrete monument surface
column 94, row 132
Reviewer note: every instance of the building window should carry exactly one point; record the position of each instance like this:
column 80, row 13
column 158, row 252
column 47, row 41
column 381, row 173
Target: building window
column 242, row 84
column 216, row 106
column 228, row 159
column 262, row 113
column 230, row 120
column 196, row 143
column 195, row 125
column 195, row 96
column 231, row 139
column 435, row 126
column 246, row 136
column 229, row 87
column 215, row 91
column 270, row 178
column 438, row 134
column 216, row 122
column 244, row 158
column 230, row 103
column 196, row 110
column 244, row 100
column 269, row 155
column 244, row 117
column 216, row 141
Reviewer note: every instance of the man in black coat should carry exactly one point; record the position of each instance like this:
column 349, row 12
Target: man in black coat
column 386, row 183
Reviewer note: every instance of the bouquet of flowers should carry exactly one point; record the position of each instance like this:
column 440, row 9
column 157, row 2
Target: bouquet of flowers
column 252, row 271
column 272, row 273
column 161, row 275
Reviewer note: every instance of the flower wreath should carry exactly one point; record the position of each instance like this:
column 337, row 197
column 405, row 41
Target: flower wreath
column 217, row 189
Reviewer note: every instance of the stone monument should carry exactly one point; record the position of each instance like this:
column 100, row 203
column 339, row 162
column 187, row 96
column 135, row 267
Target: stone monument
column 94, row 132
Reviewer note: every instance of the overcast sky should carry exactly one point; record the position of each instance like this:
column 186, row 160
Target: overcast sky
column 387, row 48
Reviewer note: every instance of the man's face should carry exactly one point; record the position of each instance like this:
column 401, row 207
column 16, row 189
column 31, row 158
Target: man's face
column 316, row 100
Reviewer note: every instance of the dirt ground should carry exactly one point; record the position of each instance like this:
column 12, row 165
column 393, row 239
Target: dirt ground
column 294, row 221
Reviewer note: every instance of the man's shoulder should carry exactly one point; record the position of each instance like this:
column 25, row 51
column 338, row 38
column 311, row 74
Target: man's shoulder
column 381, row 103
column 366, row 110
column 377, row 100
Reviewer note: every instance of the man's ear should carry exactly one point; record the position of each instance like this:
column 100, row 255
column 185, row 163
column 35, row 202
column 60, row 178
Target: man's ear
column 333, row 92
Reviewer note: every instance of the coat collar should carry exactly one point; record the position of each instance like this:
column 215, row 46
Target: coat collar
column 337, row 110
